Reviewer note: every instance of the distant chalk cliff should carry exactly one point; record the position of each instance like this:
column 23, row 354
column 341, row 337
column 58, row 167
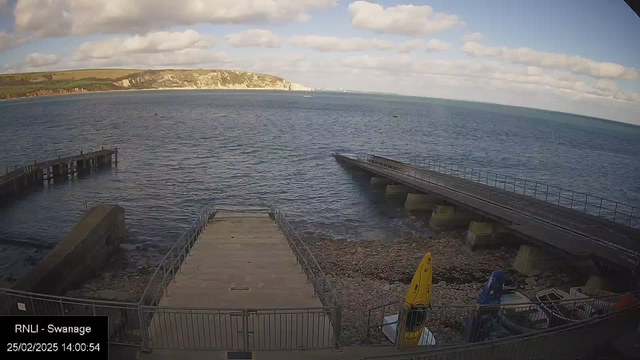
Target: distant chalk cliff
column 78, row 81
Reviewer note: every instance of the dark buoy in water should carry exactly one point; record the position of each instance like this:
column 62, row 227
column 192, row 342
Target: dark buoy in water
column 156, row 114
column 395, row 116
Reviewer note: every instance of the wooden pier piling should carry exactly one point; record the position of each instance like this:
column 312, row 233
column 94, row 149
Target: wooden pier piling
column 13, row 181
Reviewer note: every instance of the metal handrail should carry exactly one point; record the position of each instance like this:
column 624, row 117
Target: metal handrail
column 322, row 286
column 458, row 351
column 177, row 254
column 618, row 212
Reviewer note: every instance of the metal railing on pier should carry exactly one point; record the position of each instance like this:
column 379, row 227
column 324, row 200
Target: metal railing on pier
column 619, row 247
column 460, row 324
column 321, row 284
column 615, row 211
column 240, row 329
column 124, row 318
column 573, row 339
column 177, row 254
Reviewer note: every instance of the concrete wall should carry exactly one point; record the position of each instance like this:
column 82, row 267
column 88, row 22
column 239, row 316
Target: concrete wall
column 80, row 254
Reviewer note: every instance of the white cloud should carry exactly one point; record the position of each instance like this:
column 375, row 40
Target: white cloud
column 437, row 45
column 255, row 37
column 151, row 43
column 154, row 50
column 37, row 60
column 200, row 58
column 410, row 45
column 381, row 44
column 332, row 43
column 289, row 58
column 9, row 40
column 48, row 18
column 476, row 36
column 520, row 76
column 574, row 63
column 401, row 19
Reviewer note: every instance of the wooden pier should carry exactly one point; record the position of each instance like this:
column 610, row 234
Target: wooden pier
column 37, row 174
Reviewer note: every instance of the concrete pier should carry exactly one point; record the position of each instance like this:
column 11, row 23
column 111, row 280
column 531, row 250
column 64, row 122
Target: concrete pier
column 536, row 216
column 421, row 202
column 392, row 190
column 381, row 181
column 243, row 261
column 12, row 182
column 446, row 217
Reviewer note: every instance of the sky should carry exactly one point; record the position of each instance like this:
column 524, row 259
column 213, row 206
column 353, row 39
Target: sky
column 576, row 56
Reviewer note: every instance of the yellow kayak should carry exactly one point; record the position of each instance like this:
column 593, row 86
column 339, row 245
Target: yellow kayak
column 415, row 303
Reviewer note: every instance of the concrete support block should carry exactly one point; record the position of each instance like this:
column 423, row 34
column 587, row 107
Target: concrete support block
column 531, row 258
column 397, row 190
column 485, row 234
column 420, row 202
column 380, row 181
column 479, row 234
column 448, row 217
column 601, row 283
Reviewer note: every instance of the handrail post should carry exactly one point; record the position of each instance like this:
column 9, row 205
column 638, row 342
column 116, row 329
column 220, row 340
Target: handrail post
column 572, row 195
column 615, row 211
column 546, row 196
column 600, row 207
column 143, row 330
column 245, row 330
column 337, row 328
column 400, row 328
column 586, row 200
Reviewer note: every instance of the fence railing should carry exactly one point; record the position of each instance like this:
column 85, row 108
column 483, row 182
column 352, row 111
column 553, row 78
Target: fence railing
column 321, row 284
column 241, row 329
column 124, row 318
column 460, row 324
column 615, row 211
column 177, row 254
column 569, row 341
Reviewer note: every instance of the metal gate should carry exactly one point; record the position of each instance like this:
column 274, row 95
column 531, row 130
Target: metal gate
column 239, row 329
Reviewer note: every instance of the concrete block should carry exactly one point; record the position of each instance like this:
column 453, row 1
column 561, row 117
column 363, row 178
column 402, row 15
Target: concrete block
column 481, row 228
column 601, row 283
column 396, row 190
column 481, row 234
column 78, row 255
column 420, row 202
column 380, row 181
column 448, row 217
column 532, row 258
